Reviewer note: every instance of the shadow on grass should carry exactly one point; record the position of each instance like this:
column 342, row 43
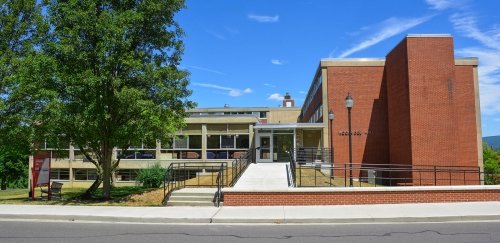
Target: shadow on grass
column 71, row 196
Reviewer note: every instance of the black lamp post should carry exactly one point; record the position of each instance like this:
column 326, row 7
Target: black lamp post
column 349, row 102
column 330, row 118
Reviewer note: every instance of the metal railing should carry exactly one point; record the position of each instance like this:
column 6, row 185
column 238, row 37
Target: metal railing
column 239, row 165
column 373, row 175
column 220, row 182
column 311, row 155
column 192, row 174
column 204, row 174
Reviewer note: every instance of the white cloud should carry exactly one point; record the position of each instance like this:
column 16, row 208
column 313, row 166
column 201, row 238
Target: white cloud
column 277, row 62
column 264, row 18
column 231, row 91
column 489, row 58
column 467, row 26
column 302, row 92
column 216, row 35
column 205, row 69
column 440, row 4
column 388, row 28
column 496, row 119
column 270, row 85
column 276, row 96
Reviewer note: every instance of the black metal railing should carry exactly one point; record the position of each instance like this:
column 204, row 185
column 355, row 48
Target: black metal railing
column 204, row 174
column 220, row 182
column 239, row 165
column 192, row 174
column 311, row 155
column 372, row 175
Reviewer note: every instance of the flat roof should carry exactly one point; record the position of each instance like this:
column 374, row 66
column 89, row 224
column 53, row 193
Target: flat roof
column 288, row 125
column 374, row 62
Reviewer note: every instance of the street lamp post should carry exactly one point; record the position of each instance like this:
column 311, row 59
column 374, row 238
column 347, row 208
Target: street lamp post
column 330, row 118
column 349, row 102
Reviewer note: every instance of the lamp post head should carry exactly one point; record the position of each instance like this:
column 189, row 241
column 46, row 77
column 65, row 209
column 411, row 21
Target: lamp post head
column 330, row 115
column 349, row 102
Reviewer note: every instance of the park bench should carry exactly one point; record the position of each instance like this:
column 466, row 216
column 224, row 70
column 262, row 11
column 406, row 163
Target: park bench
column 53, row 190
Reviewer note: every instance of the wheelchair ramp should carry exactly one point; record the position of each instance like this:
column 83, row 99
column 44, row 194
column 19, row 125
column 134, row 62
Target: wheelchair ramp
column 264, row 175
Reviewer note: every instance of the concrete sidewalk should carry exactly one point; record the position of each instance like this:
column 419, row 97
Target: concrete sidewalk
column 431, row 212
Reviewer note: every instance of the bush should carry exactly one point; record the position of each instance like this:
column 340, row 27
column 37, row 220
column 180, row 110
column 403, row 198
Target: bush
column 152, row 177
column 491, row 159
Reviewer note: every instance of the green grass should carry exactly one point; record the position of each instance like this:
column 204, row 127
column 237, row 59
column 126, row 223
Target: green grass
column 120, row 196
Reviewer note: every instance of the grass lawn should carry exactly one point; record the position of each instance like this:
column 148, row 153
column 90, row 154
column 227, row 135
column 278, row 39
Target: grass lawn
column 311, row 177
column 120, row 196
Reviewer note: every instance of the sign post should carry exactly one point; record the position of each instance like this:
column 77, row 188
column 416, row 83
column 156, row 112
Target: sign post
column 40, row 172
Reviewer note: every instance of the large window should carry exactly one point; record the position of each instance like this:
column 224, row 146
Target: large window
column 85, row 174
column 182, row 147
column 227, row 146
column 146, row 150
column 126, row 175
column 59, row 174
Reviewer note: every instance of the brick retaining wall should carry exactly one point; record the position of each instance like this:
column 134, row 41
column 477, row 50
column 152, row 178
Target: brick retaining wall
column 356, row 197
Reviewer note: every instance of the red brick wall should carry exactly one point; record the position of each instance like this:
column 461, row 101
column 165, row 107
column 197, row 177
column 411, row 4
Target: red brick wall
column 432, row 91
column 467, row 151
column 368, row 115
column 398, row 103
column 356, row 198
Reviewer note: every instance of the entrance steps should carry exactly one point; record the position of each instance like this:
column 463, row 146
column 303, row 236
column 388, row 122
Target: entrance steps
column 193, row 197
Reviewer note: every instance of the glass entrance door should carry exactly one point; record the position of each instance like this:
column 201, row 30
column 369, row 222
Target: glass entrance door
column 265, row 151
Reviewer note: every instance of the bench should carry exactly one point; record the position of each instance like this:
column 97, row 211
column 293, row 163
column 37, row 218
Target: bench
column 53, row 190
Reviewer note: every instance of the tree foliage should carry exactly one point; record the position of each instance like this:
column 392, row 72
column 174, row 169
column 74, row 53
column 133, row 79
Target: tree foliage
column 20, row 22
column 491, row 159
column 106, row 77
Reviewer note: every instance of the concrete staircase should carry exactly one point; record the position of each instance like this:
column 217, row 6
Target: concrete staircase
column 193, row 197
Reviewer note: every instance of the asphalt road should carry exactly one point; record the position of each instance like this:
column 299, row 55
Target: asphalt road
column 24, row 231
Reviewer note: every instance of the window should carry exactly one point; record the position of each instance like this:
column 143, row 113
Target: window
column 181, row 142
column 126, row 175
column 242, row 141
column 213, row 141
column 59, row 174
column 195, row 141
column 227, row 141
column 85, row 174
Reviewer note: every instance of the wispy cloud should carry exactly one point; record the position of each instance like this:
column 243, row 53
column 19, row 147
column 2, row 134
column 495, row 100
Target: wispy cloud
column 302, row 92
column 205, row 69
column 275, row 96
column 441, row 4
column 216, row 34
column 264, row 18
column 270, row 85
column 277, row 62
column 231, row 91
column 466, row 24
column 497, row 119
column 489, row 55
column 388, row 28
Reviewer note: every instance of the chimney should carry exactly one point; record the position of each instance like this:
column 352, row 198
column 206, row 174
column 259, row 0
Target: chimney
column 288, row 101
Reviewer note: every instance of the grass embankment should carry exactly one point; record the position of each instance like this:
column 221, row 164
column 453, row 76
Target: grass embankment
column 120, row 196
column 311, row 177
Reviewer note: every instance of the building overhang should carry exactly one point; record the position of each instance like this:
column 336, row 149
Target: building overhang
column 223, row 119
column 290, row 126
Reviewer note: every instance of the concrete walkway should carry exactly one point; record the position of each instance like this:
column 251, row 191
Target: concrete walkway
column 431, row 212
column 264, row 175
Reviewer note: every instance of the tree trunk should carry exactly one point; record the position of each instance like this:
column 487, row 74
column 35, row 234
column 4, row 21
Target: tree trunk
column 88, row 194
column 106, row 171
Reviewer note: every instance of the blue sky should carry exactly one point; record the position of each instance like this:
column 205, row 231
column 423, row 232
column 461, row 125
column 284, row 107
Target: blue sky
column 249, row 53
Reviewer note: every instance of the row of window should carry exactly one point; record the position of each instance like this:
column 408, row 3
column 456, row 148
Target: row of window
column 90, row 174
column 259, row 114
column 312, row 92
column 318, row 113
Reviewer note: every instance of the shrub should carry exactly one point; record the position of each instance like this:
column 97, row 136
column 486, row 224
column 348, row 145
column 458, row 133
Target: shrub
column 152, row 177
column 491, row 161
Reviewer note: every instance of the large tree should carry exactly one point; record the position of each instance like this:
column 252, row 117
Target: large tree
column 20, row 21
column 107, row 77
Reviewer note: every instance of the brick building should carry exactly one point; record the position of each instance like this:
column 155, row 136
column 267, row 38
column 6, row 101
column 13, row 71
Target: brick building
column 418, row 106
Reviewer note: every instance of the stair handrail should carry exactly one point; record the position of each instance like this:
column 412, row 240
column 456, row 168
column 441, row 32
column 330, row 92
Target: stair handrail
column 220, row 183
column 169, row 183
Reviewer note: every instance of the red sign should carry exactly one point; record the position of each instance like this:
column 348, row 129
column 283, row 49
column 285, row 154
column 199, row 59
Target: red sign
column 40, row 171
